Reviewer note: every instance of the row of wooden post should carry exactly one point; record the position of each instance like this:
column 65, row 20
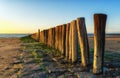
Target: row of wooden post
column 66, row 37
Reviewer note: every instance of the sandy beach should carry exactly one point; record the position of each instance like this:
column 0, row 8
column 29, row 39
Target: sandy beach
column 112, row 44
column 10, row 51
column 9, row 55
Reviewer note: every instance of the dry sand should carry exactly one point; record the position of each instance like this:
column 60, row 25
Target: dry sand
column 112, row 44
column 9, row 55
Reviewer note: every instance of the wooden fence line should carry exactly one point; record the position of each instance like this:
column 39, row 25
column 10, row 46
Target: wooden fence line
column 66, row 37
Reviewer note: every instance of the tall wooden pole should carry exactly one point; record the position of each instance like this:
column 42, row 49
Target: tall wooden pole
column 67, row 40
column 46, row 37
column 74, row 41
column 60, row 38
column 56, row 36
column 53, row 37
column 39, row 35
column 83, row 40
column 63, row 39
column 70, row 44
column 99, row 42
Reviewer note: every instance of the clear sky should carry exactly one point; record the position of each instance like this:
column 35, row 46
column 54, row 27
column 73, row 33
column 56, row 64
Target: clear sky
column 27, row 16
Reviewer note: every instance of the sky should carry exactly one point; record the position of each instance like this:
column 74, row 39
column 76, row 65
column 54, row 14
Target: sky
column 27, row 16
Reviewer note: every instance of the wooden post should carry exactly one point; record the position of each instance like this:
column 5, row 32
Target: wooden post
column 67, row 40
column 56, row 37
column 53, row 37
column 39, row 35
column 50, row 37
column 63, row 39
column 83, row 40
column 70, row 44
column 74, row 41
column 46, row 37
column 99, row 42
column 60, row 38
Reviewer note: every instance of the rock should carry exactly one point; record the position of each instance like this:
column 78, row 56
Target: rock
column 118, row 77
column 17, row 62
column 42, row 75
column 53, row 70
column 61, row 76
column 53, row 75
column 87, row 75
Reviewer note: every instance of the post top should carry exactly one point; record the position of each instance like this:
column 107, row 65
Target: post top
column 81, row 18
column 101, row 14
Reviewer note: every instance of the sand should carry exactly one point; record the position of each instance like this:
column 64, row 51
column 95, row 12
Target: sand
column 112, row 44
column 10, row 51
column 9, row 54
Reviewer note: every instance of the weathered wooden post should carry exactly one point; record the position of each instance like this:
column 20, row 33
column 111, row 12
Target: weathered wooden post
column 39, row 35
column 56, row 37
column 53, row 37
column 99, row 42
column 46, row 37
column 70, row 44
column 60, row 38
column 67, row 41
column 63, row 39
column 83, row 40
column 50, row 37
column 74, row 41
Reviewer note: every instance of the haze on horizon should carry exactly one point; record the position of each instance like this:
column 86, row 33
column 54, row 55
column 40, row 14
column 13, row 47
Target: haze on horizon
column 27, row 16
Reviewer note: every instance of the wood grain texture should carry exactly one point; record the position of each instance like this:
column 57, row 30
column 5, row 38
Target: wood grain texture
column 67, row 40
column 74, row 41
column 83, row 41
column 99, row 42
column 63, row 39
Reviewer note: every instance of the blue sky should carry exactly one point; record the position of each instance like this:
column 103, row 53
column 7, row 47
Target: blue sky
column 26, row 16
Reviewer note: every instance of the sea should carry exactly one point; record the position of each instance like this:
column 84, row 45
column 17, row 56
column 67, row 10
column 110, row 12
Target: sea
column 12, row 35
column 106, row 35
column 22, row 35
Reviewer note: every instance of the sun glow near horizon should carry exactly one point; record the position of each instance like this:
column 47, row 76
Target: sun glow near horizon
column 8, row 26
column 23, row 16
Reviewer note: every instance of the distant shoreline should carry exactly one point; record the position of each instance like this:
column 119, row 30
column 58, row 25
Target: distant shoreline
column 12, row 35
column 90, row 35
